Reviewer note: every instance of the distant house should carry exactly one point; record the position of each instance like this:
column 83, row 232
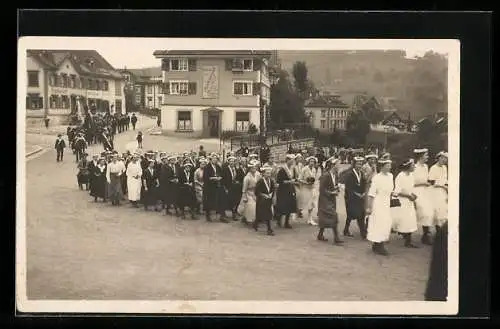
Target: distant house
column 146, row 85
column 327, row 113
column 397, row 119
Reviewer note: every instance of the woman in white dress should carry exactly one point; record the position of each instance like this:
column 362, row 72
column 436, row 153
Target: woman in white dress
column 248, row 198
column 423, row 203
column 438, row 178
column 378, row 208
column 405, row 216
column 308, row 178
column 134, row 181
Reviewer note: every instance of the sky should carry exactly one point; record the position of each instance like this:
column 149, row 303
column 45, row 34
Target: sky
column 138, row 52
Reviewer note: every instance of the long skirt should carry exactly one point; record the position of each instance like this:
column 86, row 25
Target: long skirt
column 380, row 220
column 82, row 178
column 405, row 217
column 134, row 188
column 425, row 210
column 198, row 189
column 115, row 188
column 247, row 208
column 440, row 202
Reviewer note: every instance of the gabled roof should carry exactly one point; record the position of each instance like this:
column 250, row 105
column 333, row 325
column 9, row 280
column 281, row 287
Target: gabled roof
column 327, row 101
column 147, row 72
column 85, row 62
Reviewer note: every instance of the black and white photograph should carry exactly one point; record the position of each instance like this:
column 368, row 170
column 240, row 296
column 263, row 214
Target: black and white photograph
column 246, row 176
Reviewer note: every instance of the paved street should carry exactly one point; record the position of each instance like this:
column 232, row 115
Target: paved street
column 78, row 249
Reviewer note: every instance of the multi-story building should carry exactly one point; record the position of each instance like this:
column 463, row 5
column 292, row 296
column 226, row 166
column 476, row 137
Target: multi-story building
column 146, row 86
column 62, row 82
column 210, row 91
column 327, row 113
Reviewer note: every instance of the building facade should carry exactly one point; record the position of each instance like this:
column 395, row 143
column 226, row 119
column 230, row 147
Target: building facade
column 207, row 92
column 327, row 113
column 63, row 82
column 145, row 86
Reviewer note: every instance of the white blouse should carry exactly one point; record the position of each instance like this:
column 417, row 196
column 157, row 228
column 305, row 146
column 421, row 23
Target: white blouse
column 439, row 174
column 421, row 174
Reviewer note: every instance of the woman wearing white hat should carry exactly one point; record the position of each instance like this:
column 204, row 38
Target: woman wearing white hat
column 404, row 216
column 248, row 199
column 307, row 181
column 378, row 208
column 438, row 178
column 425, row 211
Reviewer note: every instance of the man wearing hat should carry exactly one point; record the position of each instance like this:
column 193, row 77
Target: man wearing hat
column 187, row 197
column 355, row 189
column 438, row 179
column 213, row 191
column 169, row 184
column 83, row 173
column 232, row 182
column 59, row 146
column 264, row 192
column 91, row 167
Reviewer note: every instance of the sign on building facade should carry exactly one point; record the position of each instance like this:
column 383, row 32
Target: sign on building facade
column 210, row 81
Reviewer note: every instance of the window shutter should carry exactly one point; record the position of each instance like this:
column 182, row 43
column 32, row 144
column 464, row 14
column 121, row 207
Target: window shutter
column 28, row 103
column 229, row 64
column 165, row 65
column 192, row 88
column 40, row 102
column 192, row 64
column 166, row 88
column 256, row 64
column 256, row 88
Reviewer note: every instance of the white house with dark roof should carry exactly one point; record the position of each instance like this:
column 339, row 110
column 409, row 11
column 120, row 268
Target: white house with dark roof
column 327, row 113
column 63, row 82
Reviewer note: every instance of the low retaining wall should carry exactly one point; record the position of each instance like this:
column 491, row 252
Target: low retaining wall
column 279, row 150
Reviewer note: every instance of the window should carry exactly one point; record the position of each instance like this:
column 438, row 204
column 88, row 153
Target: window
column 150, row 89
column 242, row 88
column 323, row 124
column 59, row 82
column 91, row 84
column 179, row 64
column 72, row 81
column 55, row 102
column 242, row 121
column 97, row 85
column 33, row 79
column 323, row 113
column 64, row 102
column 34, row 102
column 118, row 106
column 105, row 85
column 247, row 65
column 160, row 101
column 150, row 101
column 118, row 88
column 332, row 124
column 138, row 99
column 184, row 121
column 179, row 87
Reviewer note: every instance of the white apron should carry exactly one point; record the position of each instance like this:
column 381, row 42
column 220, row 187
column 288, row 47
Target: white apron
column 404, row 217
column 307, row 195
column 424, row 207
column 134, row 173
column 380, row 220
column 439, row 192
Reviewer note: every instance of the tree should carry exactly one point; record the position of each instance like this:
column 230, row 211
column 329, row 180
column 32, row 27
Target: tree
column 286, row 106
column 372, row 110
column 428, row 84
column 357, row 127
column 300, row 78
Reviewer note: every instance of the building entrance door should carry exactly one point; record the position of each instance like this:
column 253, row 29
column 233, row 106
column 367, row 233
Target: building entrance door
column 213, row 124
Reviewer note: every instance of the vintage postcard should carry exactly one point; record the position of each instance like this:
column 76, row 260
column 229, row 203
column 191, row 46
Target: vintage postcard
column 238, row 176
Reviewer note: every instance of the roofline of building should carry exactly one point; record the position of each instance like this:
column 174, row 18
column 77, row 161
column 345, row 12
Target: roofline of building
column 327, row 106
column 212, row 53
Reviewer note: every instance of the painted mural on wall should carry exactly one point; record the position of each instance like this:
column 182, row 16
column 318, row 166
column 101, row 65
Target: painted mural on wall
column 210, row 82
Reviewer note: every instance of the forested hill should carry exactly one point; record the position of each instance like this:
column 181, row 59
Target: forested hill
column 420, row 84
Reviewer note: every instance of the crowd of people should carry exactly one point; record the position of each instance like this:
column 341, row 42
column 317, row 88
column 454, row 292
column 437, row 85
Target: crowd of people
column 258, row 191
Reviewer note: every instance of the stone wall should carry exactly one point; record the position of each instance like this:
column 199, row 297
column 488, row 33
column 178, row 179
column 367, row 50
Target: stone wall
column 279, row 150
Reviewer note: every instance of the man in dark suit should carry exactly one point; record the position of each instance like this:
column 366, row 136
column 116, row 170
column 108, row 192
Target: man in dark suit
column 187, row 197
column 59, row 146
column 264, row 191
column 213, row 191
column 150, row 185
column 232, row 182
column 355, row 185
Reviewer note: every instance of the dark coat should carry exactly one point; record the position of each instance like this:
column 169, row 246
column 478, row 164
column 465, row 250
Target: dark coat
column 264, row 207
column 150, row 197
column 83, row 172
column 437, row 284
column 355, row 206
column 233, row 185
column 60, row 144
column 327, row 201
column 213, row 191
column 187, row 197
column 99, row 185
column 286, row 199
column 169, row 188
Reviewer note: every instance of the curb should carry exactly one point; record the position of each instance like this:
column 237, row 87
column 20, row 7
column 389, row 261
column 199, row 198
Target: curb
column 38, row 150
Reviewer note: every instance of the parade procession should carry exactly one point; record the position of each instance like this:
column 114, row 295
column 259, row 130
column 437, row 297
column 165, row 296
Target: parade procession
column 260, row 192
